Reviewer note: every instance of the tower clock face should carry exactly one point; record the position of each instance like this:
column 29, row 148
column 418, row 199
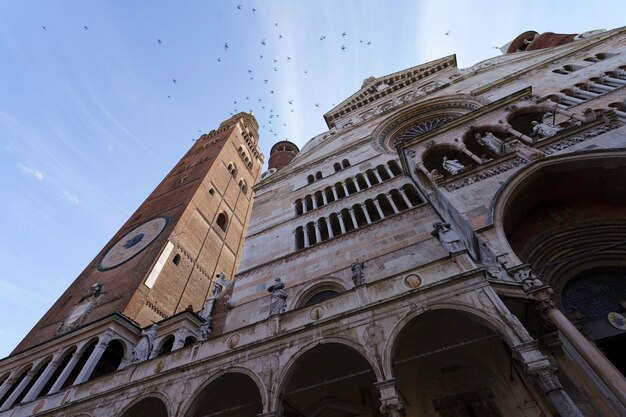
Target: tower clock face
column 132, row 243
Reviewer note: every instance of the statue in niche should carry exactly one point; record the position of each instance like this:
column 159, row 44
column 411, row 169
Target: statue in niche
column 220, row 284
column 142, row 349
column 453, row 166
column 278, row 297
column 450, row 241
column 358, row 277
column 490, row 141
column 544, row 130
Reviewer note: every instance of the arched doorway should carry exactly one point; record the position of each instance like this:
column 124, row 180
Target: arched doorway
column 230, row 395
column 448, row 364
column 567, row 219
column 148, row 407
column 330, row 380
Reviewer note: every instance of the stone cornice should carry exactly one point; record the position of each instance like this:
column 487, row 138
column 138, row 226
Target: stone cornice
column 390, row 83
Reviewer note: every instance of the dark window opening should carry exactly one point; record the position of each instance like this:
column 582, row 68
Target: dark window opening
column 221, row 221
column 110, row 360
column 176, row 259
column 167, row 346
column 321, row 296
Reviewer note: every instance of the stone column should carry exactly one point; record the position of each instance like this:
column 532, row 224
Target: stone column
column 270, row 414
column 43, row 379
column 303, row 206
column 345, row 188
column 324, row 198
column 377, row 175
column 8, row 383
column 367, row 215
column 318, row 234
column 65, row 373
column 390, row 399
column 393, row 204
column 329, row 228
column 334, row 193
column 94, row 358
column 380, row 211
column 471, row 155
column 405, row 198
column 551, row 386
column 596, row 360
column 16, row 393
column 356, row 184
column 367, row 180
column 519, row 135
column 353, row 217
column 305, row 234
column 314, row 200
column 341, row 224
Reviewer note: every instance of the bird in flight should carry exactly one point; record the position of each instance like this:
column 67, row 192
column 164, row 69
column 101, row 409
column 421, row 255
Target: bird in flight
column 290, row 101
column 272, row 92
column 306, row 72
column 239, row 6
column 322, row 38
column 317, row 104
column 448, row 32
column 280, row 36
column 343, row 35
column 263, row 42
column 85, row 27
column 170, row 97
column 253, row 11
column 174, row 81
column 369, row 42
column 275, row 61
column 159, row 41
column 276, row 24
column 249, row 71
column 44, row 28
column 275, row 69
column 343, row 48
column 261, row 56
column 225, row 46
column 288, row 59
column 265, row 81
column 219, row 59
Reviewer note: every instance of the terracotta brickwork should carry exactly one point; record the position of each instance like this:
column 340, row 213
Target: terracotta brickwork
column 204, row 249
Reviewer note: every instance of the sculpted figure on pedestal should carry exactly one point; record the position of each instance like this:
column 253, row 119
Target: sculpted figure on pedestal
column 220, row 284
column 278, row 297
column 545, row 130
column 358, row 277
column 490, row 141
column 447, row 237
column 453, row 166
column 142, row 349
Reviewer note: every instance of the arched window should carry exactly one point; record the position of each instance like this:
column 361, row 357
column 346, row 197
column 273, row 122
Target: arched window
column 243, row 186
column 318, row 175
column 310, row 179
column 176, row 259
column 232, row 169
column 222, row 221
column 337, row 167
column 110, row 359
column 345, row 163
column 189, row 340
column 167, row 345
column 57, row 373
column 211, row 191
column 321, row 296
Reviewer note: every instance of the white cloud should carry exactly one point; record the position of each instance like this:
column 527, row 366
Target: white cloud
column 71, row 198
column 35, row 173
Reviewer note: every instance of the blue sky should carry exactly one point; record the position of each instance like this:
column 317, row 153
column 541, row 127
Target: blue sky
column 87, row 129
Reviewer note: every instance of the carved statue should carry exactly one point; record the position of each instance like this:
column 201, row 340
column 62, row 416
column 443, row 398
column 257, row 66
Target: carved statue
column 545, row 130
column 358, row 277
column 448, row 238
column 528, row 279
column 278, row 297
column 94, row 291
column 220, row 284
column 205, row 329
column 453, row 166
column 142, row 349
column 490, row 141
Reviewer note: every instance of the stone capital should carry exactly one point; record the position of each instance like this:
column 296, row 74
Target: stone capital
column 547, row 380
column 390, row 399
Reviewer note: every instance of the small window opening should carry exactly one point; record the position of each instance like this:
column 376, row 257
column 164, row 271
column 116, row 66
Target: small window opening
column 176, row 259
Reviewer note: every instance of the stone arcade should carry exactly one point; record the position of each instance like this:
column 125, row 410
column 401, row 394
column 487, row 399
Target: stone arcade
column 453, row 245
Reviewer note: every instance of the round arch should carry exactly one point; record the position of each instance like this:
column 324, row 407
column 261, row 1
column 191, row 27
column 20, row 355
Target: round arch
column 473, row 313
column 342, row 347
column 309, row 290
column 240, row 371
column 420, row 119
column 153, row 404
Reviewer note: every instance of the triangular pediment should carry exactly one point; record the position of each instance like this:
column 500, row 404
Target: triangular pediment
column 375, row 88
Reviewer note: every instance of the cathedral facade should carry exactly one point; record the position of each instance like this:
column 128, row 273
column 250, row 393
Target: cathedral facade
column 453, row 245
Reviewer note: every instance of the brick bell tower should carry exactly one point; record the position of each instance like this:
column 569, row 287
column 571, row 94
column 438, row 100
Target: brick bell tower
column 166, row 256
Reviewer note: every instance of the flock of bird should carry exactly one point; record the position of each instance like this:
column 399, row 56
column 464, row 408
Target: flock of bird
column 272, row 122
